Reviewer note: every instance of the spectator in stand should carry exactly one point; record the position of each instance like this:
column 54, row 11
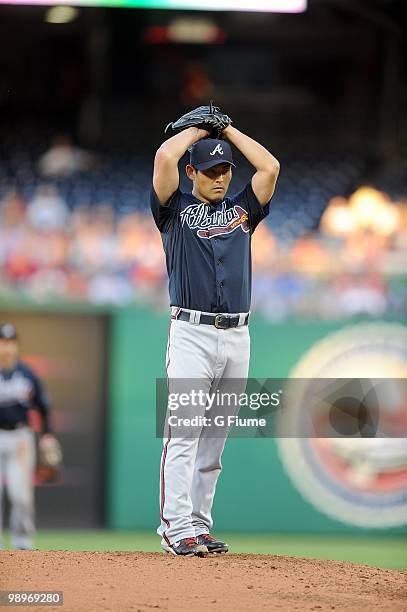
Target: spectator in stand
column 47, row 211
column 364, row 292
column 64, row 159
column 12, row 211
column 12, row 222
column 94, row 243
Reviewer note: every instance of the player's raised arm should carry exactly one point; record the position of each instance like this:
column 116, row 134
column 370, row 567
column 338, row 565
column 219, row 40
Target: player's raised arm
column 267, row 166
column 166, row 176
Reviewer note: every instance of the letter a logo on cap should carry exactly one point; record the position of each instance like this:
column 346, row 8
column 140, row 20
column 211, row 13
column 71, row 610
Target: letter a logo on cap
column 217, row 149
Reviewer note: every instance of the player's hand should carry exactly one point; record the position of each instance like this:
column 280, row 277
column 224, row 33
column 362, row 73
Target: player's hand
column 202, row 132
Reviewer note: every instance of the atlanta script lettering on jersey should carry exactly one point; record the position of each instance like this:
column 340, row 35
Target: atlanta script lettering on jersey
column 223, row 221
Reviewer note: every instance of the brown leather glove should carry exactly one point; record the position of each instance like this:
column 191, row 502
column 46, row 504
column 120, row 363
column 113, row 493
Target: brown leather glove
column 49, row 459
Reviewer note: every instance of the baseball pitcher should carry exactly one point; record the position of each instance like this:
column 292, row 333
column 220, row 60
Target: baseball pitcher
column 20, row 390
column 207, row 242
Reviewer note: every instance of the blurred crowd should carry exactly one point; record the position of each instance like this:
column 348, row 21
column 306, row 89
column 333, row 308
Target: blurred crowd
column 353, row 265
column 87, row 254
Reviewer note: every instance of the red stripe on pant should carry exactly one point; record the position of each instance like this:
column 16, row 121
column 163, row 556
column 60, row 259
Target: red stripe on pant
column 163, row 491
column 165, row 451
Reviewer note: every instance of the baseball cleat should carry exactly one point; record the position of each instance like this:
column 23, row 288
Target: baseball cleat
column 188, row 547
column 212, row 544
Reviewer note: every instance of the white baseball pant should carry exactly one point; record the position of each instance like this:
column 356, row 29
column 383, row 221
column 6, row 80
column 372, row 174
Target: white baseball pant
column 17, row 460
column 212, row 359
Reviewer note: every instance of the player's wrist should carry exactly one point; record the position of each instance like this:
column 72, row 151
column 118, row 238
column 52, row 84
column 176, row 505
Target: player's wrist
column 192, row 135
column 226, row 132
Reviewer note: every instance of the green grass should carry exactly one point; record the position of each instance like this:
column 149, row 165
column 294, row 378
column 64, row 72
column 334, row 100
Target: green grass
column 386, row 552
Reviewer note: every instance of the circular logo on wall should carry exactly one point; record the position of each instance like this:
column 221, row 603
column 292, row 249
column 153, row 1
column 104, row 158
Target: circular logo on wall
column 359, row 481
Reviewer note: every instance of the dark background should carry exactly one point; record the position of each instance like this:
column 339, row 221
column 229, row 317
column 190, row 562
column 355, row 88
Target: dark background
column 335, row 74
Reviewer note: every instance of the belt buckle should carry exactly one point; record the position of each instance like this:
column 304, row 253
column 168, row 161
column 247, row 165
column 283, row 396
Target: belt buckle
column 218, row 321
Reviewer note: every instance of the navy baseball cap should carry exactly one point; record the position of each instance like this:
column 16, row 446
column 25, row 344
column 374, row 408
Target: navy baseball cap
column 8, row 332
column 210, row 152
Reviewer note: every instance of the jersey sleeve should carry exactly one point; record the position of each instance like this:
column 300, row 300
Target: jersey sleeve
column 164, row 214
column 247, row 199
column 41, row 402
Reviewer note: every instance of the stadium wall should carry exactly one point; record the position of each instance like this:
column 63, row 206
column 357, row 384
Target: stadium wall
column 254, row 493
column 120, row 476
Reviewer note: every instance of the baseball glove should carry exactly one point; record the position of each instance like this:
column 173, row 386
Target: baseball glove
column 208, row 118
column 49, row 459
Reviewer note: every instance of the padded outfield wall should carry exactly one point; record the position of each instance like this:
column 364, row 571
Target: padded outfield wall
column 100, row 366
column 254, row 492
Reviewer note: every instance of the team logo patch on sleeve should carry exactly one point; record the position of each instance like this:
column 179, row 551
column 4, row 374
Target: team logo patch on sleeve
column 223, row 221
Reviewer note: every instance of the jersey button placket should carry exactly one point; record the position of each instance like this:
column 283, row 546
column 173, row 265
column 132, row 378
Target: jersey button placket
column 217, row 260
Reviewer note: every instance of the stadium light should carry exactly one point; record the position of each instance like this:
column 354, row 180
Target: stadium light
column 267, row 6
column 61, row 14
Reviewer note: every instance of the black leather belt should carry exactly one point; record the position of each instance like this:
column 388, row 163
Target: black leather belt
column 12, row 426
column 220, row 321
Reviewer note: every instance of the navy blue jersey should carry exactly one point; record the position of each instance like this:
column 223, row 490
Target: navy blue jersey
column 208, row 249
column 20, row 390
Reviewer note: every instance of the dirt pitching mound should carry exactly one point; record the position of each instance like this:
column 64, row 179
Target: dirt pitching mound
column 135, row 581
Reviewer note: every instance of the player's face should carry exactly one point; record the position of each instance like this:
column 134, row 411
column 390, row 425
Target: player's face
column 8, row 353
column 210, row 185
